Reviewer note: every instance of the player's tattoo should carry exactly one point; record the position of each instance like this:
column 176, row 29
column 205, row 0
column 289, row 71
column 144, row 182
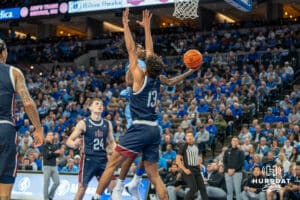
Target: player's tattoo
column 173, row 81
column 28, row 103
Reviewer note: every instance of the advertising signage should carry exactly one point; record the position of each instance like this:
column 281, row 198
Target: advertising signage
column 9, row 13
column 44, row 10
column 97, row 5
column 28, row 187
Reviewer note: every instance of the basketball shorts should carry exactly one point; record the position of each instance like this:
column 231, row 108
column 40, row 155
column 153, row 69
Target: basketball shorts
column 91, row 166
column 8, row 153
column 140, row 138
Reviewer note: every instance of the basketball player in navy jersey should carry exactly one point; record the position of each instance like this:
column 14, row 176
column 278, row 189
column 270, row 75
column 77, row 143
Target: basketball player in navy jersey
column 12, row 82
column 144, row 134
column 96, row 133
column 132, row 187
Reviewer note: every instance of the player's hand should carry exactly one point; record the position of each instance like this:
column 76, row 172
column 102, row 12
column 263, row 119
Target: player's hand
column 125, row 19
column 77, row 143
column 196, row 69
column 146, row 21
column 187, row 172
column 38, row 137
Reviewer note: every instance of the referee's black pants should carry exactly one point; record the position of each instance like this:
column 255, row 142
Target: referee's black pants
column 195, row 182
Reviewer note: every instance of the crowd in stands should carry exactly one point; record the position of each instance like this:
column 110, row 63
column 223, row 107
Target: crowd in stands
column 234, row 94
column 239, row 45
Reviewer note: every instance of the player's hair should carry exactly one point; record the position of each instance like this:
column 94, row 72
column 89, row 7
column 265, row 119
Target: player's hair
column 154, row 65
column 91, row 101
column 2, row 45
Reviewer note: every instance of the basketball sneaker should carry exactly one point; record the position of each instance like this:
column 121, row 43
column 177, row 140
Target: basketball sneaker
column 133, row 188
column 117, row 193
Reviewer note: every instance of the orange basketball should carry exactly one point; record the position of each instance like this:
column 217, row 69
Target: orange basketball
column 192, row 58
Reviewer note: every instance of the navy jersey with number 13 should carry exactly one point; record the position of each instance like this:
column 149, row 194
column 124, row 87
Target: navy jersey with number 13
column 143, row 102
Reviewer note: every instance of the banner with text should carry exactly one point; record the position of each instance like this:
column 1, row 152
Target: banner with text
column 44, row 10
column 96, row 5
column 9, row 13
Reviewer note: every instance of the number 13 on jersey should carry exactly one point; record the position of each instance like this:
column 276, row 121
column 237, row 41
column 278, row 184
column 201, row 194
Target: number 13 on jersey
column 152, row 97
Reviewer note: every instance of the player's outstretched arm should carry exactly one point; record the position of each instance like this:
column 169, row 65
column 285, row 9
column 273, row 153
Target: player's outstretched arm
column 138, row 74
column 29, row 105
column 110, row 139
column 177, row 79
column 74, row 141
column 129, row 42
column 146, row 23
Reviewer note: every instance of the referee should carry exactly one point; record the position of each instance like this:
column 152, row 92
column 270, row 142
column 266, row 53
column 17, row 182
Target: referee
column 187, row 160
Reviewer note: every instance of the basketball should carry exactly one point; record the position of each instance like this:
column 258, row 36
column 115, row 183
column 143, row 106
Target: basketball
column 192, row 58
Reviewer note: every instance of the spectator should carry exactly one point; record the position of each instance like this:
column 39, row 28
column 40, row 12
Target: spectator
column 294, row 157
column 283, row 162
column 269, row 164
column 70, row 167
column 165, row 123
column 202, row 138
column 288, row 148
column 77, row 161
column 173, row 181
column 255, row 162
column 269, row 117
column 230, row 122
column 246, row 147
column 212, row 130
column 25, row 164
column 245, row 134
column 185, row 123
column 24, row 128
column 275, row 148
column 179, row 136
column 221, row 155
column 258, row 134
column 253, row 189
column 202, row 106
column 291, row 191
column 169, row 155
column 237, row 114
column 216, row 182
column 233, row 162
column 262, row 148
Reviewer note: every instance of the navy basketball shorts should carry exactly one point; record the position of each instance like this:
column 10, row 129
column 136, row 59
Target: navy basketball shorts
column 91, row 166
column 140, row 138
column 8, row 153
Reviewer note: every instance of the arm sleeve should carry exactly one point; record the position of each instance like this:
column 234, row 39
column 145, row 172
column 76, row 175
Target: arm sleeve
column 225, row 161
column 241, row 160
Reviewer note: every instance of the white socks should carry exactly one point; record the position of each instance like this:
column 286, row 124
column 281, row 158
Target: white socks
column 120, row 184
column 96, row 197
column 136, row 179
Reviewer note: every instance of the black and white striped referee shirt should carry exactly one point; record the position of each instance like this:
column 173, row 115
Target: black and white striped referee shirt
column 189, row 155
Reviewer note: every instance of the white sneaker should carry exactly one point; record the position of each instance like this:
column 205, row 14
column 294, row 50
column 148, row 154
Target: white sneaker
column 117, row 193
column 133, row 190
